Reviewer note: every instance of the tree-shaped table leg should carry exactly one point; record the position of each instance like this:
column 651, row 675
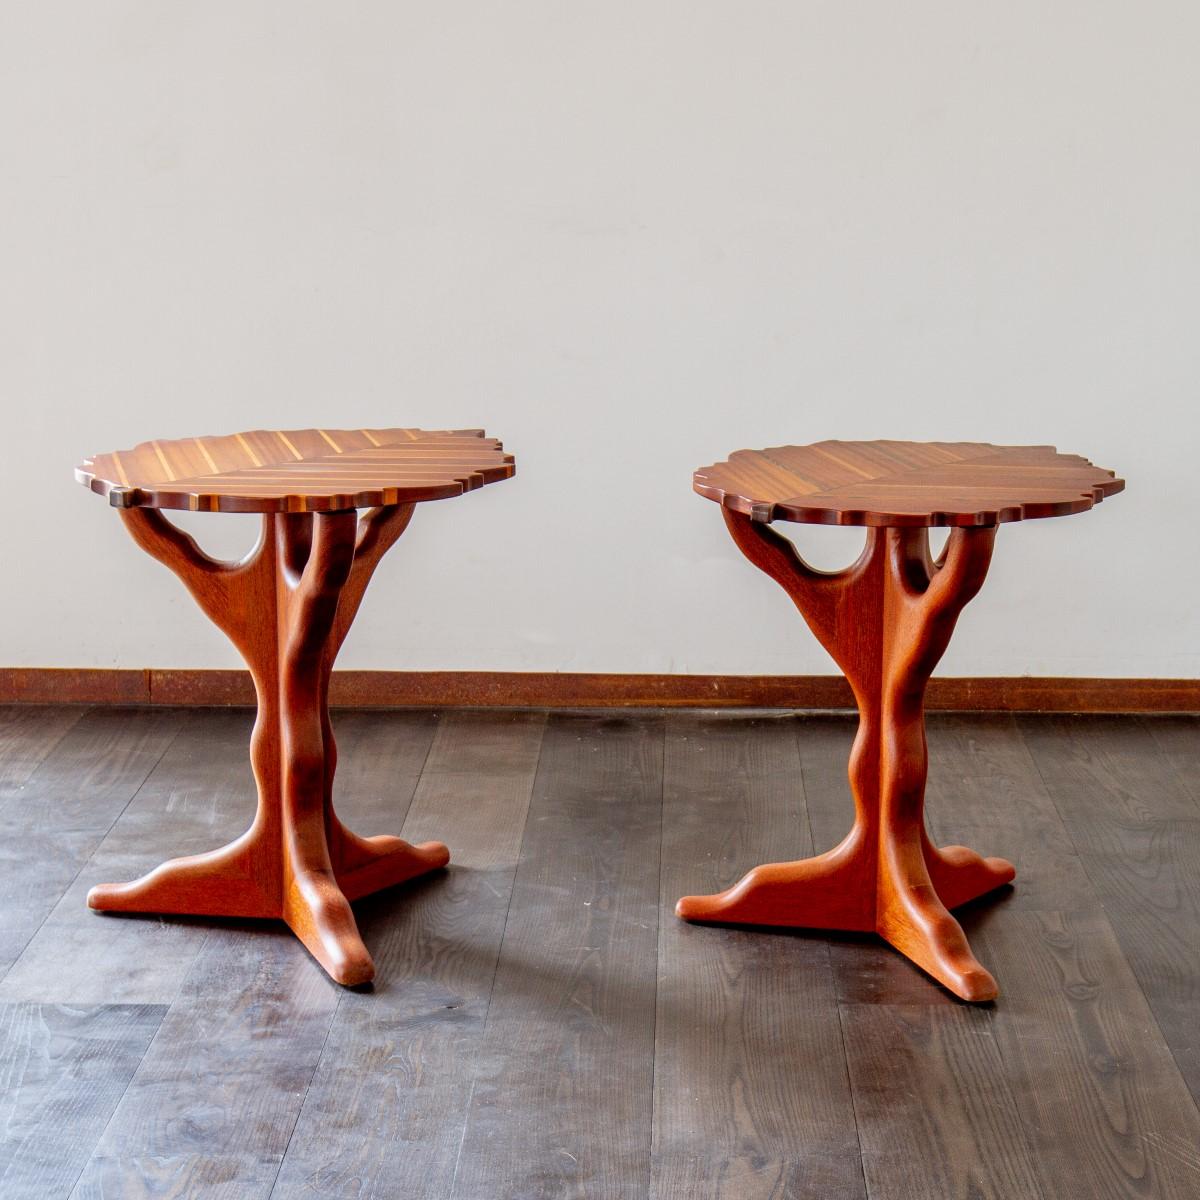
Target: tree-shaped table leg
column 287, row 607
column 886, row 621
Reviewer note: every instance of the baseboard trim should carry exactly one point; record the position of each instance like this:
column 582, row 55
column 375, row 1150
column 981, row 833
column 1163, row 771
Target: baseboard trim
column 548, row 689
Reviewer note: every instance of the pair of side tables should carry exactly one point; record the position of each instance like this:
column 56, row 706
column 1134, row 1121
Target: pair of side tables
column 288, row 605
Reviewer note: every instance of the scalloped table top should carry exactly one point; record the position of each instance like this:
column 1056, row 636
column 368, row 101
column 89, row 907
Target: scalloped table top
column 905, row 483
column 298, row 470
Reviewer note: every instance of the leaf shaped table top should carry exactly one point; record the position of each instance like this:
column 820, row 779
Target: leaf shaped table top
column 905, row 483
column 298, row 470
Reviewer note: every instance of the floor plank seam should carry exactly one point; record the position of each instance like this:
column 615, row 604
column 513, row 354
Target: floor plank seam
column 307, row 1089
column 841, row 1011
column 1103, row 911
column 487, row 1012
column 87, row 1162
column 1006, row 1060
column 1065, row 1088
column 437, row 727
column 811, row 849
column 1185, row 784
column 320, row 1057
column 462, row 1139
column 662, row 805
column 80, row 714
column 99, row 842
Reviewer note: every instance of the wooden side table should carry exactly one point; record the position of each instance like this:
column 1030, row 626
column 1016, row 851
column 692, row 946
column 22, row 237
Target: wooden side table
column 287, row 607
column 887, row 620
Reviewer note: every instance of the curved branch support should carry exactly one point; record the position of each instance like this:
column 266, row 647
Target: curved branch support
column 961, row 569
column 213, row 584
column 887, row 621
column 287, row 607
column 364, row 865
column 817, row 594
column 378, row 531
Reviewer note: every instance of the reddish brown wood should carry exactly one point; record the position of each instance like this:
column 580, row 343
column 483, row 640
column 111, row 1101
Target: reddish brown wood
column 298, row 470
column 287, row 607
column 905, row 483
column 573, row 689
column 886, row 620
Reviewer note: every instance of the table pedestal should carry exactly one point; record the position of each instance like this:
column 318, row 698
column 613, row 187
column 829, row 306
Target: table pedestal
column 287, row 607
column 886, row 621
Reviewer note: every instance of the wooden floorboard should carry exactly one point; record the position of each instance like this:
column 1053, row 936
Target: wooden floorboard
column 1136, row 824
column 1105, row 1107
column 751, row 1094
column 937, row 1074
column 561, row 1104
column 199, row 796
column 212, row 1106
column 920, row 1061
column 52, row 824
column 1178, row 737
column 542, row 1025
column 385, row 1112
column 27, row 735
column 62, row 1072
column 250, row 1011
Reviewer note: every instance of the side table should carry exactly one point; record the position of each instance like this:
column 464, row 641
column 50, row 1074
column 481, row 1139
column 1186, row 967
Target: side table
column 887, row 620
column 287, row 607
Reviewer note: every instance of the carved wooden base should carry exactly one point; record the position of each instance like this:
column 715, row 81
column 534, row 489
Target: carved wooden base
column 260, row 876
column 287, row 607
column 886, row 620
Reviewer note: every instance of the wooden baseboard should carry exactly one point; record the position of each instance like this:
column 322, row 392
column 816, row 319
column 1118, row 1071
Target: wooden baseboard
column 546, row 689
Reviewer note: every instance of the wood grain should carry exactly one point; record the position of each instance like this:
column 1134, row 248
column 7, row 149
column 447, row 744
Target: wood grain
column 223, row 1082
column 561, row 1104
column 298, row 470
column 937, row 1074
column 27, row 736
column 1074, row 1044
column 1137, row 829
column 866, row 970
column 388, row 1102
column 202, row 792
column 569, row 689
column 905, row 483
column 1177, row 738
column 62, row 1068
column 886, row 621
column 287, row 607
column 1072, row 1049
column 1104, row 1105
column 53, row 823
column 732, row 1005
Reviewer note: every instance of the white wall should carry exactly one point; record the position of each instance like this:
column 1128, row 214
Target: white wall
column 627, row 238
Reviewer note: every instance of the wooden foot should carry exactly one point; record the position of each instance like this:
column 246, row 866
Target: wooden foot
column 223, row 883
column 220, row 883
column 835, row 890
column 960, row 875
column 287, row 607
column 886, row 620
column 391, row 861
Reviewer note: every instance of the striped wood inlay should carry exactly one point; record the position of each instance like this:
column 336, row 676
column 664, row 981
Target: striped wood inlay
column 905, row 483
column 298, row 470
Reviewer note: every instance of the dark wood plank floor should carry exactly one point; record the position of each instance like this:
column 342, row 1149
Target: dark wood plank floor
column 542, row 1027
